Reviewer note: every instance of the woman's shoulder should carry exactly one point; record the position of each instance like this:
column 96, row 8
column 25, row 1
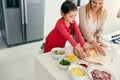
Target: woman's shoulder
column 82, row 8
column 104, row 13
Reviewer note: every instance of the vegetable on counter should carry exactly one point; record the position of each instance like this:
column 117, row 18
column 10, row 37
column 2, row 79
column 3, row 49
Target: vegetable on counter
column 65, row 62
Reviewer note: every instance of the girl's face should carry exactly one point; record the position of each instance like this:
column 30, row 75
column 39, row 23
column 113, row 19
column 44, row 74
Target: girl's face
column 96, row 4
column 69, row 17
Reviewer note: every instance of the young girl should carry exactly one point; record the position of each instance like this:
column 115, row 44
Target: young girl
column 64, row 28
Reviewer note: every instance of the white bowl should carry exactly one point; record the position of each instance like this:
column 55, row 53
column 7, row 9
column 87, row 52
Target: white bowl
column 64, row 66
column 75, row 77
column 60, row 53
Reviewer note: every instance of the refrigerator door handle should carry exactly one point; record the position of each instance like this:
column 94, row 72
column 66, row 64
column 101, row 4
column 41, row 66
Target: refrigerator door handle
column 22, row 19
column 25, row 12
column 22, row 11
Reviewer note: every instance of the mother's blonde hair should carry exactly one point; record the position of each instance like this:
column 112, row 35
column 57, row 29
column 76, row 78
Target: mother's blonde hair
column 100, row 12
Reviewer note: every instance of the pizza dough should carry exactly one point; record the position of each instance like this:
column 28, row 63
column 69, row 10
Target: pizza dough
column 97, row 58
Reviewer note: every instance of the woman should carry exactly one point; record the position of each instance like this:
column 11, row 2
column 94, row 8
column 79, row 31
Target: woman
column 91, row 20
column 64, row 28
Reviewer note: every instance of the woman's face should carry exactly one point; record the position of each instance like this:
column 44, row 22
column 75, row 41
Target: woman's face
column 96, row 4
column 70, row 17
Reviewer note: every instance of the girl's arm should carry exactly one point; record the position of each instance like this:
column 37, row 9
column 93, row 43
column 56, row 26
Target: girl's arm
column 62, row 29
column 81, row 40
column 78, row 34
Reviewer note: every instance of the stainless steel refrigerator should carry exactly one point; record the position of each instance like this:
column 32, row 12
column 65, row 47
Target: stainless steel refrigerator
column 21, row 21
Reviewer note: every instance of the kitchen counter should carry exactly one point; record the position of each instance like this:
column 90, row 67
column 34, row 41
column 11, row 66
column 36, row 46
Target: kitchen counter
column 46, row 68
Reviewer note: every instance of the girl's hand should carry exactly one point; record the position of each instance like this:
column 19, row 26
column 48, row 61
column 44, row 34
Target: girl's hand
column 82, row 55
column 86, row 50
column 80, row 51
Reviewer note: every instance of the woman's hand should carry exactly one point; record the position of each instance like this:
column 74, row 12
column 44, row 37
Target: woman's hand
column 98, row 48
column 103, row 45
column 100, row 42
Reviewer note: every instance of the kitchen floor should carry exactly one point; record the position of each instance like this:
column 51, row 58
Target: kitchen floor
column 17, row 63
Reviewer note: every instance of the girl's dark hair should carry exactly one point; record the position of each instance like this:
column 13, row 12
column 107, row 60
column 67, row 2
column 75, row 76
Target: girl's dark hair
column 68, row 6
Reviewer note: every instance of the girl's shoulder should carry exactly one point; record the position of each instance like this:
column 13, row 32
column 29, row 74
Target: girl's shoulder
column 60, row 22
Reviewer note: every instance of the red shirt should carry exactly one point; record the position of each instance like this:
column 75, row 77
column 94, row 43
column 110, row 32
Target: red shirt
column 60, row 34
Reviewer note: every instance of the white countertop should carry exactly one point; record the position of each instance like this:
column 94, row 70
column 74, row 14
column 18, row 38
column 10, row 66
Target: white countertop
column 51, row 65
column 46, row 68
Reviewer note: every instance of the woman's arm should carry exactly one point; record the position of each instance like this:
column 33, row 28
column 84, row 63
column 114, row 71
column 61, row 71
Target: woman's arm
column 98, row 33
column 101, row 25
column 83, row 25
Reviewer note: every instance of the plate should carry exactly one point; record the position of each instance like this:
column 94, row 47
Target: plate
column 99, row 68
